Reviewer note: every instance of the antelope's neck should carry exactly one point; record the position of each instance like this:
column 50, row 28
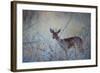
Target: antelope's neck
column 58, row 39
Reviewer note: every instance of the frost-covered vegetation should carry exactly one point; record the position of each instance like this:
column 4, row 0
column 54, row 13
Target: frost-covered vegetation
column 38, row 44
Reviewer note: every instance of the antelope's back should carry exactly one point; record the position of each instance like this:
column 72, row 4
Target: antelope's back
column 73, row 40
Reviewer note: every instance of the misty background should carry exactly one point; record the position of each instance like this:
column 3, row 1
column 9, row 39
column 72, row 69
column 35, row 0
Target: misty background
column 38, row 44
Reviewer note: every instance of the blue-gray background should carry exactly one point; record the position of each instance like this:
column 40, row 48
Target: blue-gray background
column 38, row 44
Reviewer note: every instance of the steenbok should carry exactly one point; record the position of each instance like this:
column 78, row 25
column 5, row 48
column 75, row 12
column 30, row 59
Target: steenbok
column 67, row 43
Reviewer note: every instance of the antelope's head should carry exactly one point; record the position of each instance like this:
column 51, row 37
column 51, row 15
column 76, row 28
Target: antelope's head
column 54, row 34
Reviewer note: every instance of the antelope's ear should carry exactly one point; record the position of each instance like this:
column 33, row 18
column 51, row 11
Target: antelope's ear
column 58, row 30
column 51, row 30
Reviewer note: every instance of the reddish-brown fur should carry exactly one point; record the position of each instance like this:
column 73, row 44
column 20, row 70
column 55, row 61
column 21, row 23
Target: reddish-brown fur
column 75, row 41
